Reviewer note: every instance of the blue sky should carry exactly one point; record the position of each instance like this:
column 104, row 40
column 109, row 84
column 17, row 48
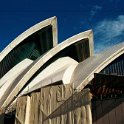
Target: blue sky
column 105, row 17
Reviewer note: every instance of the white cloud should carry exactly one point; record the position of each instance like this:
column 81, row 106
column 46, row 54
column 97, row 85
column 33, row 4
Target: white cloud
column 94, row 11
column 109, row 32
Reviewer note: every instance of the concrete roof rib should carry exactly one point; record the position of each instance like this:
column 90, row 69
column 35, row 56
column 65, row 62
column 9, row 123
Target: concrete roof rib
column 95, row 64
column 36, row 65
column 51, row 21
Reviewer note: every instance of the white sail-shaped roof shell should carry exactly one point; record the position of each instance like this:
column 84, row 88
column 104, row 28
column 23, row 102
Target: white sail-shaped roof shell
column 51, row 21
column 26, row 75
column 60, row 70
column 84, row 72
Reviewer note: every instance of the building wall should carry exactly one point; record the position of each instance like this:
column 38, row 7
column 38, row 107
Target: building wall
column 109, row 111
column 56, row 104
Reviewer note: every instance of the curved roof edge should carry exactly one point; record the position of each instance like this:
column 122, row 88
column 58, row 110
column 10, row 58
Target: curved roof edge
column 99, row 62
column 46, row 57
column 59, row 64
column 57, row 71
column 16, row 70
column 51, row 21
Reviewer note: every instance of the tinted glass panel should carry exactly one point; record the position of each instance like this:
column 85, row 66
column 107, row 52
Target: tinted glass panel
column 32, row 47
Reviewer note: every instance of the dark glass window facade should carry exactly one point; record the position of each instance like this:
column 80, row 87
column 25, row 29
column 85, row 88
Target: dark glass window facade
column 32, row 48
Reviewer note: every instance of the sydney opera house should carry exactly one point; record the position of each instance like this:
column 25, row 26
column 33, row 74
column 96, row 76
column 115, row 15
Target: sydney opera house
column 43, row 82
